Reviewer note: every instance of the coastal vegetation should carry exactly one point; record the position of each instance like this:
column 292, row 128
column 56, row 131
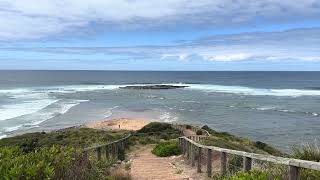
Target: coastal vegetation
column 229, row 141
column 71, row 137
column 59, row 154
column 55, row 155
column 154, row 132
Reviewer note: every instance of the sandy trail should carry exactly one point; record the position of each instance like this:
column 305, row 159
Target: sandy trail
column 147, row 166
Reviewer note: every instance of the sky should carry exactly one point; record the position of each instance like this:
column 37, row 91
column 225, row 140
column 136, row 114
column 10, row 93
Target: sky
column 201, row 35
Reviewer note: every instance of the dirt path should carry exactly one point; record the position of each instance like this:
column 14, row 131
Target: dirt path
column 147, row 166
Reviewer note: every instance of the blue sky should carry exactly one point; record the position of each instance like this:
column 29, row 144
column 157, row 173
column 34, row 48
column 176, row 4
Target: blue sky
column 160, row 35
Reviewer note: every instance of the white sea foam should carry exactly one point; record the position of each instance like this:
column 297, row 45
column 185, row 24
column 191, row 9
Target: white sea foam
column 2, row 136
column 167, row 117
column 10, row 129
column 22, row 108
column 275, row 108
column 239, row 90
column 82, row 88
column 251, row 91
column 34, row 119
column 109, row 113
column 62, row 107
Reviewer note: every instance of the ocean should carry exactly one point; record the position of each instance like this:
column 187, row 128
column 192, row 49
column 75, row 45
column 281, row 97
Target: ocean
column 279, row 108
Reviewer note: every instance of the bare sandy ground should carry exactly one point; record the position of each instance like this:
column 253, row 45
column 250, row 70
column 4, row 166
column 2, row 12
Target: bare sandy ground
column 119, row 124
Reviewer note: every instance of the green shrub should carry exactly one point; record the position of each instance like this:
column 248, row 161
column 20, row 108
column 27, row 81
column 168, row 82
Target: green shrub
column 165, row 149
column 45, row 163
column 199, row 132
column 188, row 127
column 50, row 163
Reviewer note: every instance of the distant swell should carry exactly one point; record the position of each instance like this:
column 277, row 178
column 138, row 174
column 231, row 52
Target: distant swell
column 272, row 108
column 253, row 91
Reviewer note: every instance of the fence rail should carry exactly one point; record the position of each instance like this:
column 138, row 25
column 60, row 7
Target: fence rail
column 200, row 154
column 115, row 149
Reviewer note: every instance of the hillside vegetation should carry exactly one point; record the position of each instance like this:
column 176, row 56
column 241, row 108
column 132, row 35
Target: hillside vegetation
column 229, row 141
column 54, row 155
column 59, row 154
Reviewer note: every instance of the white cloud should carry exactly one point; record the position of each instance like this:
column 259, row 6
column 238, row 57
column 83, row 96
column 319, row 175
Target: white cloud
column 229, row 57
column 293, row 45
column 29, row 19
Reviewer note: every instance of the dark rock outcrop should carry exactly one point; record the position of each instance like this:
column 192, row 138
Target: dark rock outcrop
column 153, row 87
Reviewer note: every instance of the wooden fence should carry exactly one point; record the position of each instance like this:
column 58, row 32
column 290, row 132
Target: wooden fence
column 113, row 150
column 183, row 127
column 200, row 154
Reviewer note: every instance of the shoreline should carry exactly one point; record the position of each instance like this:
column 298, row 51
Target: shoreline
column 131, row 124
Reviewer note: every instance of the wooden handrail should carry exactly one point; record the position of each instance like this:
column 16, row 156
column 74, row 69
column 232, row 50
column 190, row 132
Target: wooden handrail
column 294, row 164
column 115, row 149
column 108, row 144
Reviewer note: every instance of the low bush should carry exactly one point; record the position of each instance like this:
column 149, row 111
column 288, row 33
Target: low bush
column 188, row 127
column 165, row 149
column 199, row 132
column 45, row 163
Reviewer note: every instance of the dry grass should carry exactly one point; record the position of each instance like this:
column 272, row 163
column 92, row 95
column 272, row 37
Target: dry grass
column 120, row 174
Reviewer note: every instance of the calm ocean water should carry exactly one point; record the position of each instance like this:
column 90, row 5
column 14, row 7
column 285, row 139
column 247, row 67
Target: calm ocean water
column 280, row 108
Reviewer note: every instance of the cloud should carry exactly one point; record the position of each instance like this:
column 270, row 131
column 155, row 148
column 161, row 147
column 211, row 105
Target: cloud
column 34, row 19
column 229, row 57
column 300, row 45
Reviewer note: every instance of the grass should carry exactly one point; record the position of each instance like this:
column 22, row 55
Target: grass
column 310, row 152
column 119, row 174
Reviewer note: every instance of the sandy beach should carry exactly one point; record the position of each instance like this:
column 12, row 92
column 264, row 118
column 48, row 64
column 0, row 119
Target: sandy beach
column 119, row 124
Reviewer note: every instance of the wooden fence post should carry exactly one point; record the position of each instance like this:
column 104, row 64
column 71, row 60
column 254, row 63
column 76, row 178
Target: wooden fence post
column 184, row 146
column 193, row 155
column 209, row 163
column 247, row 163
column 99, row 153
column 199, row 160
column 121, row 153
column 293, row 173
column 187, row 149
column 223, row 163
column 107, row 151
column 115, row 151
